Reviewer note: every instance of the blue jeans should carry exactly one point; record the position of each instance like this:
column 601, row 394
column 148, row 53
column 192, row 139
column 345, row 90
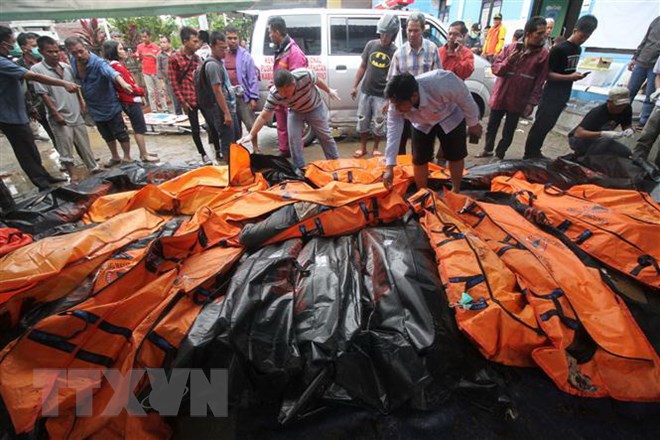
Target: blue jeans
column 317, row 119
column 639, row 74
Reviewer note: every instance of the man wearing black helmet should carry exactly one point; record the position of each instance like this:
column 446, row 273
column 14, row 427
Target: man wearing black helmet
column 376, row 59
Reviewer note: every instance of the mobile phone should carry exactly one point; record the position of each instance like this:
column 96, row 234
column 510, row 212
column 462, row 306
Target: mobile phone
column 588, row 72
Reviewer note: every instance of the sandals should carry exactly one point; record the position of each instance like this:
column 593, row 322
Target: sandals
column 359, row 154
column 111, row 163
column 376, row 153
column 484, row 154
column 149, row 159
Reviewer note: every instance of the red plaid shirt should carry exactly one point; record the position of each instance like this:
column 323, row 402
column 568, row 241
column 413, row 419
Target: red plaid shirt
column 183, row 86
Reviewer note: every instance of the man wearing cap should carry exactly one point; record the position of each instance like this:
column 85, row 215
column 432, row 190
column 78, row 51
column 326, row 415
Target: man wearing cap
column 494, row 39
column 596, row 133
column 473, row 40
column 376, row 58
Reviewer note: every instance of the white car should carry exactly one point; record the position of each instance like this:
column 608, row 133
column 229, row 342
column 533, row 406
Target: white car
column 333, row 40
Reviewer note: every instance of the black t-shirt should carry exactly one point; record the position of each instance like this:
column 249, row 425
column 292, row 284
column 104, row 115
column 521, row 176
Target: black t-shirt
column 563, row 59
column 600, row 119
column 378, row 59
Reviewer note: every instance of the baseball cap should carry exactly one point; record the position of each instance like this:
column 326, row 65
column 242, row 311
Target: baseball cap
column 618, row 96
column 497, row 16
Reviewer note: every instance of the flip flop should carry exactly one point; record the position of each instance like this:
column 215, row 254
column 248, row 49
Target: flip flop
column 111, row 163
column 152, row 154
column 484, row 154
column 149, row 159
column 359, row 153
column 377, row 153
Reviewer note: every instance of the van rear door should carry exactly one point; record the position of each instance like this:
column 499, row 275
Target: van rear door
column 348, row 37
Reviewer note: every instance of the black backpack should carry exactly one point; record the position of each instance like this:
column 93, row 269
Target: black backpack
column 205, row 95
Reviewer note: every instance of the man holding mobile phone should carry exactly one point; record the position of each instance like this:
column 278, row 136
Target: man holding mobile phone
column 454, row 56
column 520, row 77
column 563, row 61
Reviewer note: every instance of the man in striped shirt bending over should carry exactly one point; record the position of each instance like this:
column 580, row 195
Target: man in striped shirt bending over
column 299, row 92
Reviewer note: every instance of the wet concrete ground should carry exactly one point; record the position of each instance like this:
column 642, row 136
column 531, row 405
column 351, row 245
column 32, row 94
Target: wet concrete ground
column 179, row 149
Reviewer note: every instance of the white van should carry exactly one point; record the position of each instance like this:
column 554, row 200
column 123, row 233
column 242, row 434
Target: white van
column 333, row 40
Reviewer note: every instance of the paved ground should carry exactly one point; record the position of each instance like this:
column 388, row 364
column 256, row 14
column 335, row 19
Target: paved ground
column 179, row 149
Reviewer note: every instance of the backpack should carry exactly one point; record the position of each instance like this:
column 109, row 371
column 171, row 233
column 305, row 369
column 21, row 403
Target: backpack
column 205, row 95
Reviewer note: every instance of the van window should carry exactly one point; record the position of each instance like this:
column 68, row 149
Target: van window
column 349, row 36
column 431, row 33
column 304, row 29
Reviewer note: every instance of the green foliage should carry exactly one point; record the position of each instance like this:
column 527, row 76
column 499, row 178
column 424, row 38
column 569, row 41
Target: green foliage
column 92, row 35
column 131, row 27
column 242, row 23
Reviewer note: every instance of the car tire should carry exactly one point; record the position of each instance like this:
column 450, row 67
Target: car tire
column 480, row 103
column 308, row 135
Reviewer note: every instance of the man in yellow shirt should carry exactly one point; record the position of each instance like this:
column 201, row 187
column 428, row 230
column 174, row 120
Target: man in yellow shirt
column 494, row 39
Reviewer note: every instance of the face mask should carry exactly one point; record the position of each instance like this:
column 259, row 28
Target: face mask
column 36, row 53
column 474, row 34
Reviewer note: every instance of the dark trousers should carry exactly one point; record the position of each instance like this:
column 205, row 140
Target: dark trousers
column 224, row 134
column 193, row 117
column 43, row 120
column 405, row 135
column 6, row 200
column 510, row 125
column 546, row 117
column 21, row 140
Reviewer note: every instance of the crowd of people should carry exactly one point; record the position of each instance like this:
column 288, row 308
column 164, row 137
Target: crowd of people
column 414, row 92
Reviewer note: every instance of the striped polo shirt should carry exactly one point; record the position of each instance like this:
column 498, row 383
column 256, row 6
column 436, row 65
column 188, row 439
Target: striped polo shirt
column 305, row 98
column 406, row 59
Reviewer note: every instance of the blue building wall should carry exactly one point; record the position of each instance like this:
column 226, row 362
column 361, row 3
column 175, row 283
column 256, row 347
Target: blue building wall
column 466, row 10
column 512, row 9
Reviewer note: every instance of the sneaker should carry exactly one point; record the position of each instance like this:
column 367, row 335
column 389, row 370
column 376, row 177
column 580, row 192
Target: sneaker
column 206, row 160
column 96, row 170
column 41, row 138
column 483, row 154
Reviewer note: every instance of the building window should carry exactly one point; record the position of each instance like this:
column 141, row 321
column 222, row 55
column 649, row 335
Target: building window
column 488, row 9
column 305, row 30
column 443, row 11
column 349, row 36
